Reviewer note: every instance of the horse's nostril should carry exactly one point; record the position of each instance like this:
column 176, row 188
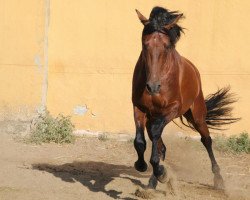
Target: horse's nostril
column 148, row 87
column 153, row 88
column 158, row 87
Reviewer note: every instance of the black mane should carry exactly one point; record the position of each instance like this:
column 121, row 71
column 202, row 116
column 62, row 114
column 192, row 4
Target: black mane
column 160, row 17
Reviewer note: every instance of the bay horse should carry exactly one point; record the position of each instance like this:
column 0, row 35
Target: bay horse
column 167, row 86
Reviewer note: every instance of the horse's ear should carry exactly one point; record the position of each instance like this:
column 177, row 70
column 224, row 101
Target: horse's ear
column 174, row 22
column 143, row 19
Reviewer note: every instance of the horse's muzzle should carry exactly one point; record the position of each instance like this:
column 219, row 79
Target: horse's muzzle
column 153, row 88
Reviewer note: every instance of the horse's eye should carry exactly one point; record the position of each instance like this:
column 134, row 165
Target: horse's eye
column 166, row 46
column 145, row 46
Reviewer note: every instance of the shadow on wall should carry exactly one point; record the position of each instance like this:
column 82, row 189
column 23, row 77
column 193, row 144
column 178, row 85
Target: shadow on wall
column 94, row 175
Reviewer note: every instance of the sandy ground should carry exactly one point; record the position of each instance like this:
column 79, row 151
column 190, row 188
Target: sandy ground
column 96, row 169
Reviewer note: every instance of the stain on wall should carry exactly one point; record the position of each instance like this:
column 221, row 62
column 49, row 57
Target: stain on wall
column 80, row 110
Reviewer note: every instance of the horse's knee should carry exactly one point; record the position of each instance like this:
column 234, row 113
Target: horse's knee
column 140, row 144
column 156, row 125
column 206, row 141
column 154, row 160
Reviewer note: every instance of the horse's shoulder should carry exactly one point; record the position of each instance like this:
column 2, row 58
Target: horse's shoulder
column 187, row 64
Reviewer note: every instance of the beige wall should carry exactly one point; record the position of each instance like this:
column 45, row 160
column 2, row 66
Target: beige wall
column 93, row 47
column 21, row 57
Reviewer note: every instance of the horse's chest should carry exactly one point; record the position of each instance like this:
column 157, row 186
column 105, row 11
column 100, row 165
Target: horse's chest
column 158, row 104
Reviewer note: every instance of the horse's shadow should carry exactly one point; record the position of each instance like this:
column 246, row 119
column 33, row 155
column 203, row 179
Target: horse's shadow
column 94, row 175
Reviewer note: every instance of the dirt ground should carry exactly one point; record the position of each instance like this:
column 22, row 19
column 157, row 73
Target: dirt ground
column 103, row 169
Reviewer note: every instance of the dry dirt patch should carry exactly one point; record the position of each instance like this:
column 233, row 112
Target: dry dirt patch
column 96, row 169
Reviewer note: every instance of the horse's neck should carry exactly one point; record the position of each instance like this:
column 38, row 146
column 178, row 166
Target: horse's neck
column 173, row 59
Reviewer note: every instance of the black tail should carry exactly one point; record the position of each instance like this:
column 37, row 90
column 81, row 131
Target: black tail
column 218, row 110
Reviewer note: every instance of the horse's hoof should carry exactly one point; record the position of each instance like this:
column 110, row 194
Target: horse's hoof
column 141, row 166
column 152, row 183
column 218, row 182
column 163, row 177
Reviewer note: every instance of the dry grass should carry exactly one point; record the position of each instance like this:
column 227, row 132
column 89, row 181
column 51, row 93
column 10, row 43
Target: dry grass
column 45, row 129
column 233, row 144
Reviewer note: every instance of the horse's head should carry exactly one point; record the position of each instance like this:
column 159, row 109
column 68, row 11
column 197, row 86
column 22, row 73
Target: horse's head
column 160, row 34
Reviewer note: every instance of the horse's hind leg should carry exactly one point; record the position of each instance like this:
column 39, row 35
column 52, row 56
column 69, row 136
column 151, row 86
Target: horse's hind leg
column 207, row 142
column 198, row 120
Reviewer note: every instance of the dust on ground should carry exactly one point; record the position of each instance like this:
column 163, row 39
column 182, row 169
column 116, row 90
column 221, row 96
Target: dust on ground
column 96, row 169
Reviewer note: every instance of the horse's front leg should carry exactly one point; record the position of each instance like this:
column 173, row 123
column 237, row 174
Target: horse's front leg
column 140, row 142
column 155, row 127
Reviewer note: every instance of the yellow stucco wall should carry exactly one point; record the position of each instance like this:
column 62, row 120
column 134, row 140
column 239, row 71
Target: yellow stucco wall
column 93, row 47
column 21, row 58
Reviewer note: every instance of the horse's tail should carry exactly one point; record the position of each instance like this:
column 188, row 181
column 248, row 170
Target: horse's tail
column 219, row 110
